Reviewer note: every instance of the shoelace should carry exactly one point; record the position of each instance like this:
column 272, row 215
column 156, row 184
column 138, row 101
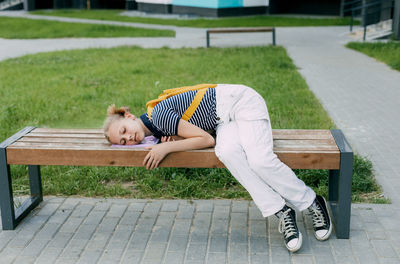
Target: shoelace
column 286, row 224
column 317, row 216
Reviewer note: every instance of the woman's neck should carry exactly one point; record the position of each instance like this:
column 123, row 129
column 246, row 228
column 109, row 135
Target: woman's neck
column 147, row 132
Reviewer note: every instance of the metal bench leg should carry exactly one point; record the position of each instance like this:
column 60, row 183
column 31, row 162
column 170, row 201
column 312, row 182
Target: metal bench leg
column 6, row 195
column 273, row 37
column 340, row 183
column 208, row 39
column 35, row 181
column 10, row 217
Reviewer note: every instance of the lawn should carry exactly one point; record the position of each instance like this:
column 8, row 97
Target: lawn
column 388, row 53
column 21, row 28
column 73, row 89
column 249, row 21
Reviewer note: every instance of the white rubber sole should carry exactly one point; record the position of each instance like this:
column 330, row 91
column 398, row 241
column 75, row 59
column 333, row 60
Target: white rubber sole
column 300, row 242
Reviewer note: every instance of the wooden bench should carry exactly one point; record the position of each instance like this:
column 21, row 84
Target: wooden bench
column 299, row 149
column 240, row 30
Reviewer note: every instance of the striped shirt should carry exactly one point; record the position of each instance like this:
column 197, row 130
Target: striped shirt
column 166, row 114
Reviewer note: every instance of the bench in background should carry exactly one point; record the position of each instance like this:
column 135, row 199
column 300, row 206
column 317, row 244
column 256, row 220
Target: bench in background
column 240, row 30
column 299, row 149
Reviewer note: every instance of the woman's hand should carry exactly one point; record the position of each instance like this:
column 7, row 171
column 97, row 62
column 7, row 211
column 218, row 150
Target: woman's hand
column 156, row 154
column 167, row 139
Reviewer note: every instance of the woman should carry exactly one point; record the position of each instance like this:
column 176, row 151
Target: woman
column 244, row 143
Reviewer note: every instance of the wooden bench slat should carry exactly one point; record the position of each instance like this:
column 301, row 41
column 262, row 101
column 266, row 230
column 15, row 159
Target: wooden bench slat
column 125, row 157
column 277, row 133
column 281, row 144
column 62, row 140
column 68, row 130
column 65, row 135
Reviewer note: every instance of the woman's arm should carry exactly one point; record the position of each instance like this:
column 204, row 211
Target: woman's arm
column 194, row 138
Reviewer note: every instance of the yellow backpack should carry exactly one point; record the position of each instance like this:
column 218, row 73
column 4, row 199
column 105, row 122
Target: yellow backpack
column 200, row 88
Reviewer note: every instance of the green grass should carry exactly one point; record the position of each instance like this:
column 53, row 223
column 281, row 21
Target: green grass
column 73, row 89
column 388, row 53
column 248, row 21
column 20, row 28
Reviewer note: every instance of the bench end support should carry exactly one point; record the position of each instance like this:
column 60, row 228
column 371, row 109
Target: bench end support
column 340, row 184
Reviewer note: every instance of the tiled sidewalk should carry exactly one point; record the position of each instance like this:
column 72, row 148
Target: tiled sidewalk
column 85, row 230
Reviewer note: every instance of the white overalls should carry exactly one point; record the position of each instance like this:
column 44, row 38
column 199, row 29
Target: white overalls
column 244, row 144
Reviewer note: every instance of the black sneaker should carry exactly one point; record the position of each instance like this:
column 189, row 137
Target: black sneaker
column 287, row 226
column 321, row 219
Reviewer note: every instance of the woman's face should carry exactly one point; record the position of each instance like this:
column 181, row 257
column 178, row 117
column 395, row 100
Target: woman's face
column 126, row 131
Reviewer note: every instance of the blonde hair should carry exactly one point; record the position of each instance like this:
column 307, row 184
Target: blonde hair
column 114, row 114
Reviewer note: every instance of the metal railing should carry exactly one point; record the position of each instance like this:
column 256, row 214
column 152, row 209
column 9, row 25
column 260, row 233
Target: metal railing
column 366, row 11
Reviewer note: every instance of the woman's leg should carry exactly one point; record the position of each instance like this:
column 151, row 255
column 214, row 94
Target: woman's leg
column 256, row 138
column 229, row 150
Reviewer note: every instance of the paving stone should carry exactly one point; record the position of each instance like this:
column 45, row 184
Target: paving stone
column 240, row 206
column 48, row 231
column 185, row 212
column 240, row 236
column 182, row 226
column 345, row 259
column 59, row 216
column 151, row 209
column 302, row 259
column 258, row 228
column 60, row 240
column 160, row 234
column 389, row 260
column 136, row 206
column 255, row 214
column 259, row 258
column 132, row 256
column 111, row 256
column 90, row 256
column 102, row 206
column 175, row 257
column 178, row 243
column 238, row 253
column 202, row 220
column 25, row 259
column 219, row 226
column 239, row 220
column 34, row 248
column 108, row 225
column 82, row 210
column 258, row 245
column 116, row 210
column 154, row 252
column 218, row 243
column 48, row 209
column 71, row 224
column 341, row 247
column 222, row 202
column 170, row 206
column 138, row 241
column 324, row 259
column 130, row 218
column 216, row 258
column 221, row 212
column 165, row 219
column 196, row 252
column 204, row 206
column 384, row 248
column 49, row 255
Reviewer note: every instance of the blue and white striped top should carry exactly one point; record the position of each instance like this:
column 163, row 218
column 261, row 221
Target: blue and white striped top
column 166, row 114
